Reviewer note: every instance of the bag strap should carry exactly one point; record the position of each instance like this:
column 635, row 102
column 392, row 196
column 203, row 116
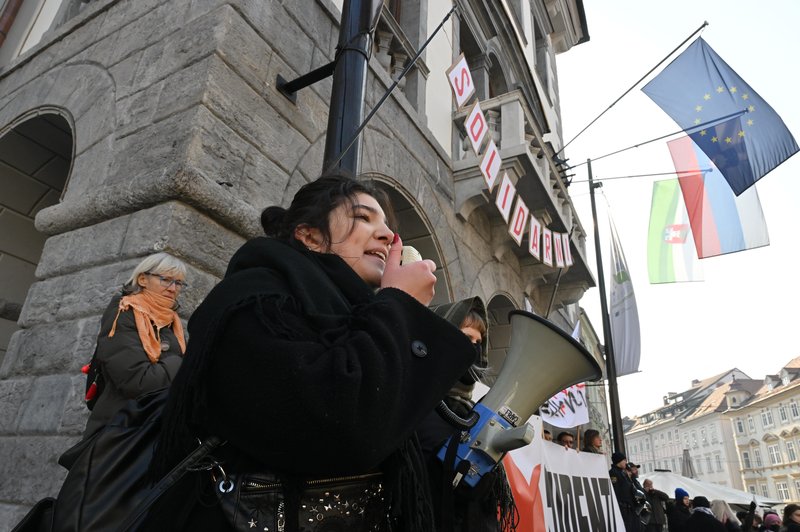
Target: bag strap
column 135, row 518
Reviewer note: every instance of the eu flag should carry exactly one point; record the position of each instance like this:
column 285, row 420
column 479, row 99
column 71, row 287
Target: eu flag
column 732, row 124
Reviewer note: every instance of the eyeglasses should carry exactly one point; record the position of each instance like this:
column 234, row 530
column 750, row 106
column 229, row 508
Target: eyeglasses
column 166, row 282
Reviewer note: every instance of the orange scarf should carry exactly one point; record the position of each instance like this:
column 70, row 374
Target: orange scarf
column 151, row 309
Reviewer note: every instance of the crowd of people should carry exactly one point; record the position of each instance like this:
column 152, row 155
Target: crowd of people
column 647, row 509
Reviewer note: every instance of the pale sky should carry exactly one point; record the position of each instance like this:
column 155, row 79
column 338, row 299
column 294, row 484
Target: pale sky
column 743, row 315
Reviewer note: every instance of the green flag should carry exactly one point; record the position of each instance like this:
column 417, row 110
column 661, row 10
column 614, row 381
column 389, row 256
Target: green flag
column 671, row 255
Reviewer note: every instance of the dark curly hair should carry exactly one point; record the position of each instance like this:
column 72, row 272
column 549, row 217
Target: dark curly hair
column 314, row 202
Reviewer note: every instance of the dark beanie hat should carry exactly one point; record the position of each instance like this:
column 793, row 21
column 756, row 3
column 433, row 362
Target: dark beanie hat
column 617, row 457
column 701, row 502
column 680, row 493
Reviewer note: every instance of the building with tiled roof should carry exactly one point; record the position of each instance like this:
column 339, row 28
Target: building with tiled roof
column 695, row 420
column 766, row 429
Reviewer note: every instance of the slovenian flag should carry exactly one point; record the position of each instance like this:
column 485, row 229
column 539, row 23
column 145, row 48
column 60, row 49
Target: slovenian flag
column 671, row 255
column 720, row 221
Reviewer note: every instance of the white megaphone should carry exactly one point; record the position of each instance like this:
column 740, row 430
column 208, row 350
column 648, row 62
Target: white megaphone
column 542, row 359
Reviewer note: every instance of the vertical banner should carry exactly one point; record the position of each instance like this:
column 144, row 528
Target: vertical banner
column 505, row 197
column 476, row 127
column 490, row 165
column 624, row 315
column 558, row 248
column 547, row 246
column 567, row 250
column 519, row 220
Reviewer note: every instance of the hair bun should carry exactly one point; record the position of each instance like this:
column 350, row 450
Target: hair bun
column 273, row 221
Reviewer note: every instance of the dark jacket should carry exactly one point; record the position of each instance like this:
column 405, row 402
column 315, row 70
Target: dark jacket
column 657, row 499
column 677, row 515
column 700, row 521
column 127, row 371
column 305, row 370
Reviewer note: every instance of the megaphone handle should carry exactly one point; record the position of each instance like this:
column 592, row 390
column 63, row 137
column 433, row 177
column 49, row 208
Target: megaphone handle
column 454, row 419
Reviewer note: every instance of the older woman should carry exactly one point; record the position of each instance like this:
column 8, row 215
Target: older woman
column 141, row 343
column 315, row 358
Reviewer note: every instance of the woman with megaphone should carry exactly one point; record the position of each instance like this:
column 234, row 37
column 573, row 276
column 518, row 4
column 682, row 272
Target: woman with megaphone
column 315, row 358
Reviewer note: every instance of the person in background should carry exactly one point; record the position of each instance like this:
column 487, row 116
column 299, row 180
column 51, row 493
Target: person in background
column 547, row 435
column 633, row 469
column 679, row 512
column 657, row 499
column 772, row 522
column 724, row 514
column 791, row 518
column 702, row 520
column 566, row 439
column 624, row 491
column 141, row 342
column 315, row 358
column 465, row 510
column 741, row 515
column 592, row 442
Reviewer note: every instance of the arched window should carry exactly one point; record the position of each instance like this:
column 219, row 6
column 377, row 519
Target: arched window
column 35, row 161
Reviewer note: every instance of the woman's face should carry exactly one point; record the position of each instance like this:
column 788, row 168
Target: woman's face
column 162, row 284
column 597, row 441
column 795, row 516
column 361, row 237
column 473, row 334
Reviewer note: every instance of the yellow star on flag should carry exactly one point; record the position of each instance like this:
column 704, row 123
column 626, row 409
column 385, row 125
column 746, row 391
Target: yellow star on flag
column 728, row 140
column 698, row 108
column 733, row 90
column 720, row 89
column 714, row 139
column 707, row 96
column 741, row 134
column 750, row 122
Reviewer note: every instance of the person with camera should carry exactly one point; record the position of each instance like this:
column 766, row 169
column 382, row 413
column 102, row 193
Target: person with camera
column 657, row 499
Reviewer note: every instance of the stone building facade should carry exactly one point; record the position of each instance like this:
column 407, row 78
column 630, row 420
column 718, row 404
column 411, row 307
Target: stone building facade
column 129, row 127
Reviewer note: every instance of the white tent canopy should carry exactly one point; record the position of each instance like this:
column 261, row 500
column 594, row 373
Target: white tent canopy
column 667, row 482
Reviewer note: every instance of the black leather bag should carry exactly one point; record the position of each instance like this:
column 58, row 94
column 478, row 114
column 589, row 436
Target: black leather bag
column 345, row 504
column 107, row 487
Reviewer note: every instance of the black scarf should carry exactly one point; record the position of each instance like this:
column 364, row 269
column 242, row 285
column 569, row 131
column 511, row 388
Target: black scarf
column 249, row 279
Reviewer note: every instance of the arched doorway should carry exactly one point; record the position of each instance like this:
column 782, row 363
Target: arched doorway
column 499, row 334
column 415, row 232
column 36, row 154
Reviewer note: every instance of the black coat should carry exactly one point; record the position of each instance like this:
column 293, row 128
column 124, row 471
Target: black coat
column 657, row 499
column 305, row 370
column 677, row 515
column 127, row 370
column 700, row 521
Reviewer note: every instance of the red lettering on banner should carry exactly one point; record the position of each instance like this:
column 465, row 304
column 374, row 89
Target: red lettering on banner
column 476, row 135
column 534, row 238
column 547, row 247
column 465, row 82
column 559, row 250
column 505, row 196
column 519, row 220
column 490, row 166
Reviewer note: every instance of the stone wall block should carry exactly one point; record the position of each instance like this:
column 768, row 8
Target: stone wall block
column 104, row 51
column 10, row 514
column 378, row 153
column 74, row 42
column 36, row 460
column 188, row 234
column 123, row 70
column 183, row 89
column 245, row 112
column 316, row 21
column 61, row 347
column 217, row 151
column 57, row 299
column 124, row 14
column 90, row 170
column 150, row 156
column 262, row 183
column 198, row 8
column 244, row 50
column 12, row 395
column 42, row 412
column 310, row 114
column 280, row 31
column 75, row 412
column 81, row 248
column 137, row 110
column 310, row 165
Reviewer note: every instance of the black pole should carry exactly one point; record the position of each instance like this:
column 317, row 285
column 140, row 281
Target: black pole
column 349, row 84
column 617, row 434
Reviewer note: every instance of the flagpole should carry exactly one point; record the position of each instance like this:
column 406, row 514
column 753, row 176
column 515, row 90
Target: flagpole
column 617, row 434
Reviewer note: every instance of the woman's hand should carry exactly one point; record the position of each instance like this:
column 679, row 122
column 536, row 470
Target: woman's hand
column 416, row 279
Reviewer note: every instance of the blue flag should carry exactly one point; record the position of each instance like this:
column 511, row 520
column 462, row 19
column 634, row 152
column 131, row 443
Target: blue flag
column 729, row 121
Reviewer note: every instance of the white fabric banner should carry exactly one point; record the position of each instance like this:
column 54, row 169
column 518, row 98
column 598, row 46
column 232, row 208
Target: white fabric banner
column 557, row 489
column 624, row 315
column 568, row 408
